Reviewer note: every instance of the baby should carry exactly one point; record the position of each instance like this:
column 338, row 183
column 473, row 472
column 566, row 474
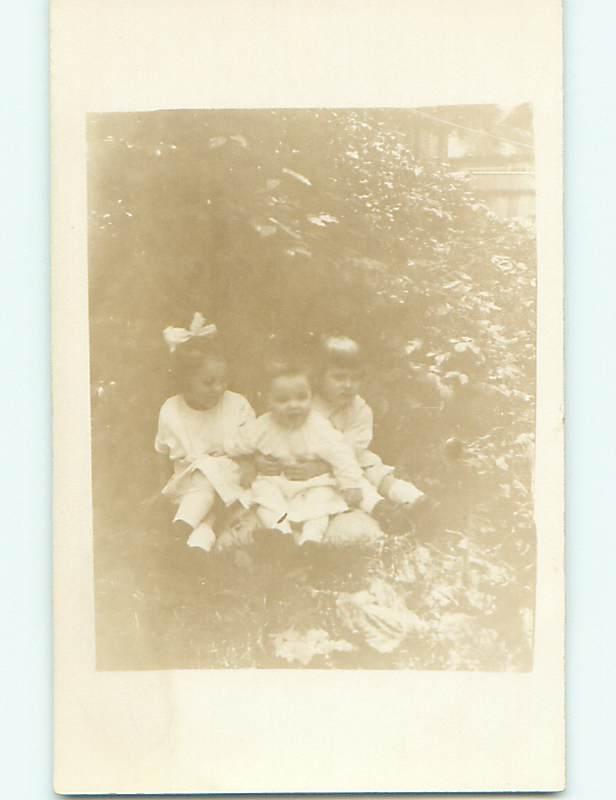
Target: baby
column 339, row 402
column 290, row 433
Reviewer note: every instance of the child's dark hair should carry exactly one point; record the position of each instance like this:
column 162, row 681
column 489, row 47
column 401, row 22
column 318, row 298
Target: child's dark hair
column 282, row 367
column 190, row 355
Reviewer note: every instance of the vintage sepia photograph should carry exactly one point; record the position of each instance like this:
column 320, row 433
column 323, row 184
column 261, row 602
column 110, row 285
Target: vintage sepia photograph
column 312, row 372
column 308, row 397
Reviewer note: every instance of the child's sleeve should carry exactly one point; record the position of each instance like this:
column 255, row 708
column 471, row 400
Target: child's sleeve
column 336, row 451
column 243, row 442
column 360, row 431
column 165, row 440
column 246, row 412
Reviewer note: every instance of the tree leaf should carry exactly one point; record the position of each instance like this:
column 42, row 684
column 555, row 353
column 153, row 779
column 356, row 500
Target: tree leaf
column 298, row 177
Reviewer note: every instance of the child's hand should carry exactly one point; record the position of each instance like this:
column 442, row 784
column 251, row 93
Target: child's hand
column 267, row 465
column 304, row 470
column 352, row 497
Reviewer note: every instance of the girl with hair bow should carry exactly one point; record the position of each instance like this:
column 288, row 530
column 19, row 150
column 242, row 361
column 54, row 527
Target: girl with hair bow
column 193, row 427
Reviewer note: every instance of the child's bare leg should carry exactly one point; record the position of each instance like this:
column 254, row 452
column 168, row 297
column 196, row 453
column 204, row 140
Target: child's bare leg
column 369, row 497
column 197, row 502
column 313, row 530
column 194, row 517
column 386, row 484
column 399, row 491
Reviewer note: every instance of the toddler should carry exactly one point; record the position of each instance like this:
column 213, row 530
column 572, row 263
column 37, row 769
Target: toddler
column 289, row 433
column 192, row 429
column 339, row 402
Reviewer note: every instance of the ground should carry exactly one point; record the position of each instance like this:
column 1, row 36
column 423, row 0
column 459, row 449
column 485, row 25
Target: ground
column 424, row 598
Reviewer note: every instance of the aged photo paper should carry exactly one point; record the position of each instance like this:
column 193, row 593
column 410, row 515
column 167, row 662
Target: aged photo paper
column 308, row 396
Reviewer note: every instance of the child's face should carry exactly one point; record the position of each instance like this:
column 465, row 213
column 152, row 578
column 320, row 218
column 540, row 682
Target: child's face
column 206, row 385
column 289, row 400
column 340, row 385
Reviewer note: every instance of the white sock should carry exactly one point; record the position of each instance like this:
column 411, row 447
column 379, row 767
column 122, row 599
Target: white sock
column 404, row 492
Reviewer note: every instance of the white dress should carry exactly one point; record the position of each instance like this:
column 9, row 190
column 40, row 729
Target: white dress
column 356, row 423
column 195, row 439
column 300, row 501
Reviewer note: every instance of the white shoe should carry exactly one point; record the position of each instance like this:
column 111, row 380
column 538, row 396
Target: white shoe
column 203, row 537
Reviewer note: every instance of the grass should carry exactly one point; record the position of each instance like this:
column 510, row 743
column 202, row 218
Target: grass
column 161, row 605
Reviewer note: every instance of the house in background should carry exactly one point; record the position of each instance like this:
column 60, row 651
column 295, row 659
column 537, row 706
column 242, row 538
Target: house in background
column 492, row 144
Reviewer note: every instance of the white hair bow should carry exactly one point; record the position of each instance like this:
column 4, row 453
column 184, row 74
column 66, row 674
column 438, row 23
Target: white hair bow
column 199, row 328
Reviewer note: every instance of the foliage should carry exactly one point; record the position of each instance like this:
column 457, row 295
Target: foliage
column 285, row 225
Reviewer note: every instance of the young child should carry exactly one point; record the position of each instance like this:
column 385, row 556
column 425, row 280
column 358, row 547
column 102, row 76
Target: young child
column 291, row 432
column 339, row 402
column 192, row 428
